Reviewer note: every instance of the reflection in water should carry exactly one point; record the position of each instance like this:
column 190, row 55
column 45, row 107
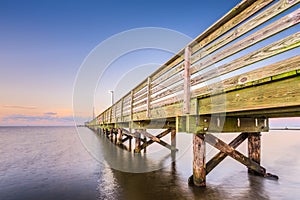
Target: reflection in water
column 105, row 150
column 50, row 163
column 230, row 180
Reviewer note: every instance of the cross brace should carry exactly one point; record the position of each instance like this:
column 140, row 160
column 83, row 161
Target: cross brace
column 201, row 169
column 157, row 139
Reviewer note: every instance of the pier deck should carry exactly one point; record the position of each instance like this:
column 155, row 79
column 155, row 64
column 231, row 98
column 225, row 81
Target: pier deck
column 233, row 77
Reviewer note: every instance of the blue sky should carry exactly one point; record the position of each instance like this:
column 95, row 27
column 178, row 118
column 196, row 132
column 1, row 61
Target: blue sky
column 44, row 43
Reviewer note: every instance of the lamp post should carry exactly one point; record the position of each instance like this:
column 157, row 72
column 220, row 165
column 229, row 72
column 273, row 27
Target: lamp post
column 112, row 97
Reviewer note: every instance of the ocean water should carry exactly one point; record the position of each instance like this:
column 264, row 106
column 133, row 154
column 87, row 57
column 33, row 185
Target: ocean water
column 52, row 163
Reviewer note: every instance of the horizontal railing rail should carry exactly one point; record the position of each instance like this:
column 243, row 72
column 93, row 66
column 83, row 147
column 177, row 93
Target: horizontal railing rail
column 247, row 47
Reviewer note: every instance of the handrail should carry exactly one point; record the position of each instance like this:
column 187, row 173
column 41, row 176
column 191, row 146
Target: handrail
column 182, row 77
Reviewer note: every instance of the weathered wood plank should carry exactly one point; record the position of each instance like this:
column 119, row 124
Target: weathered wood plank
column 261, row 75
column 167, row 75
column 233, row 18
column 167, row 101
column 142, row 102
column 175, row 79
column 178, row 58
column 277, row 94
column 256, row 21
column 171, row 90
column 139, row 87
column 137, row 99
column 262, row 34
column 140, row 92
column 288, row 43
column 140, row 115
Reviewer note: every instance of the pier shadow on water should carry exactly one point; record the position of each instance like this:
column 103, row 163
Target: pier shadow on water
column 51, row 163
column 230, row 180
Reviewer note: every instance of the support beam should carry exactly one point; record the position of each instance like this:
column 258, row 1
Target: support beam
column 221, row 155
column 199, row 165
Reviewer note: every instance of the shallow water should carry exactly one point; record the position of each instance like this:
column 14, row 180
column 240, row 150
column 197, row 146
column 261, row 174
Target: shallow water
column 52, row 163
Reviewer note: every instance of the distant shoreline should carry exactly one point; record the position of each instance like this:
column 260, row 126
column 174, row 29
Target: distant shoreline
column 285, row 128
column 1, row 126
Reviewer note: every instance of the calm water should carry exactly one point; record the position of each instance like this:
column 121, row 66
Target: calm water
column 51, row 163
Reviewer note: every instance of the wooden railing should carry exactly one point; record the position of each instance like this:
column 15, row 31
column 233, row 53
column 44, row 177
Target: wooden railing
column 227, row 50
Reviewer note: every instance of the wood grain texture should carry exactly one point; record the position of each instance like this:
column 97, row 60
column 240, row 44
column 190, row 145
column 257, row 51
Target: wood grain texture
column 249, row 25
column 238, row 16
column 255, row 77
column 276, row 95
column 166, row 67
column 272, row 89
column 199, row 161
column 254, row 148
column 177, row 69
column 288, row 43
column 187, row 81
column 260, row 35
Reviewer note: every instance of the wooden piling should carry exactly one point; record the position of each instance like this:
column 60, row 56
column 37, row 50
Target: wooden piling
column 254, row 149
column 111, row 134
column 145, row 141
column 173, row 144
column 199, row 165
column 137, row 148
column 130, row 146
column 120, row 136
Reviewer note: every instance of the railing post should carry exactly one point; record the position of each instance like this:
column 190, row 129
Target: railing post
column 131, row 106
column 187, row 80
column 148, row 96
column 122, row 106
column 115, row 111
column 110, row 114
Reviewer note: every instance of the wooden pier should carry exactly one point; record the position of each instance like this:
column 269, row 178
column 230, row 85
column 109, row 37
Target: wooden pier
column 232, row 78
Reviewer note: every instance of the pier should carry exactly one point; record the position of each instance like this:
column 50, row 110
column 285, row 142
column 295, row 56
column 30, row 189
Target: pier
column 233, row 77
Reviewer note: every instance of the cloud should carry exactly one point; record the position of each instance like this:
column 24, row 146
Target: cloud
column 36, row 118
column 50, row 113
column 19, row 107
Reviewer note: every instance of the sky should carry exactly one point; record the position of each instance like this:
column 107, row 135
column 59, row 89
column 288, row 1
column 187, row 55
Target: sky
column 45, row 42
